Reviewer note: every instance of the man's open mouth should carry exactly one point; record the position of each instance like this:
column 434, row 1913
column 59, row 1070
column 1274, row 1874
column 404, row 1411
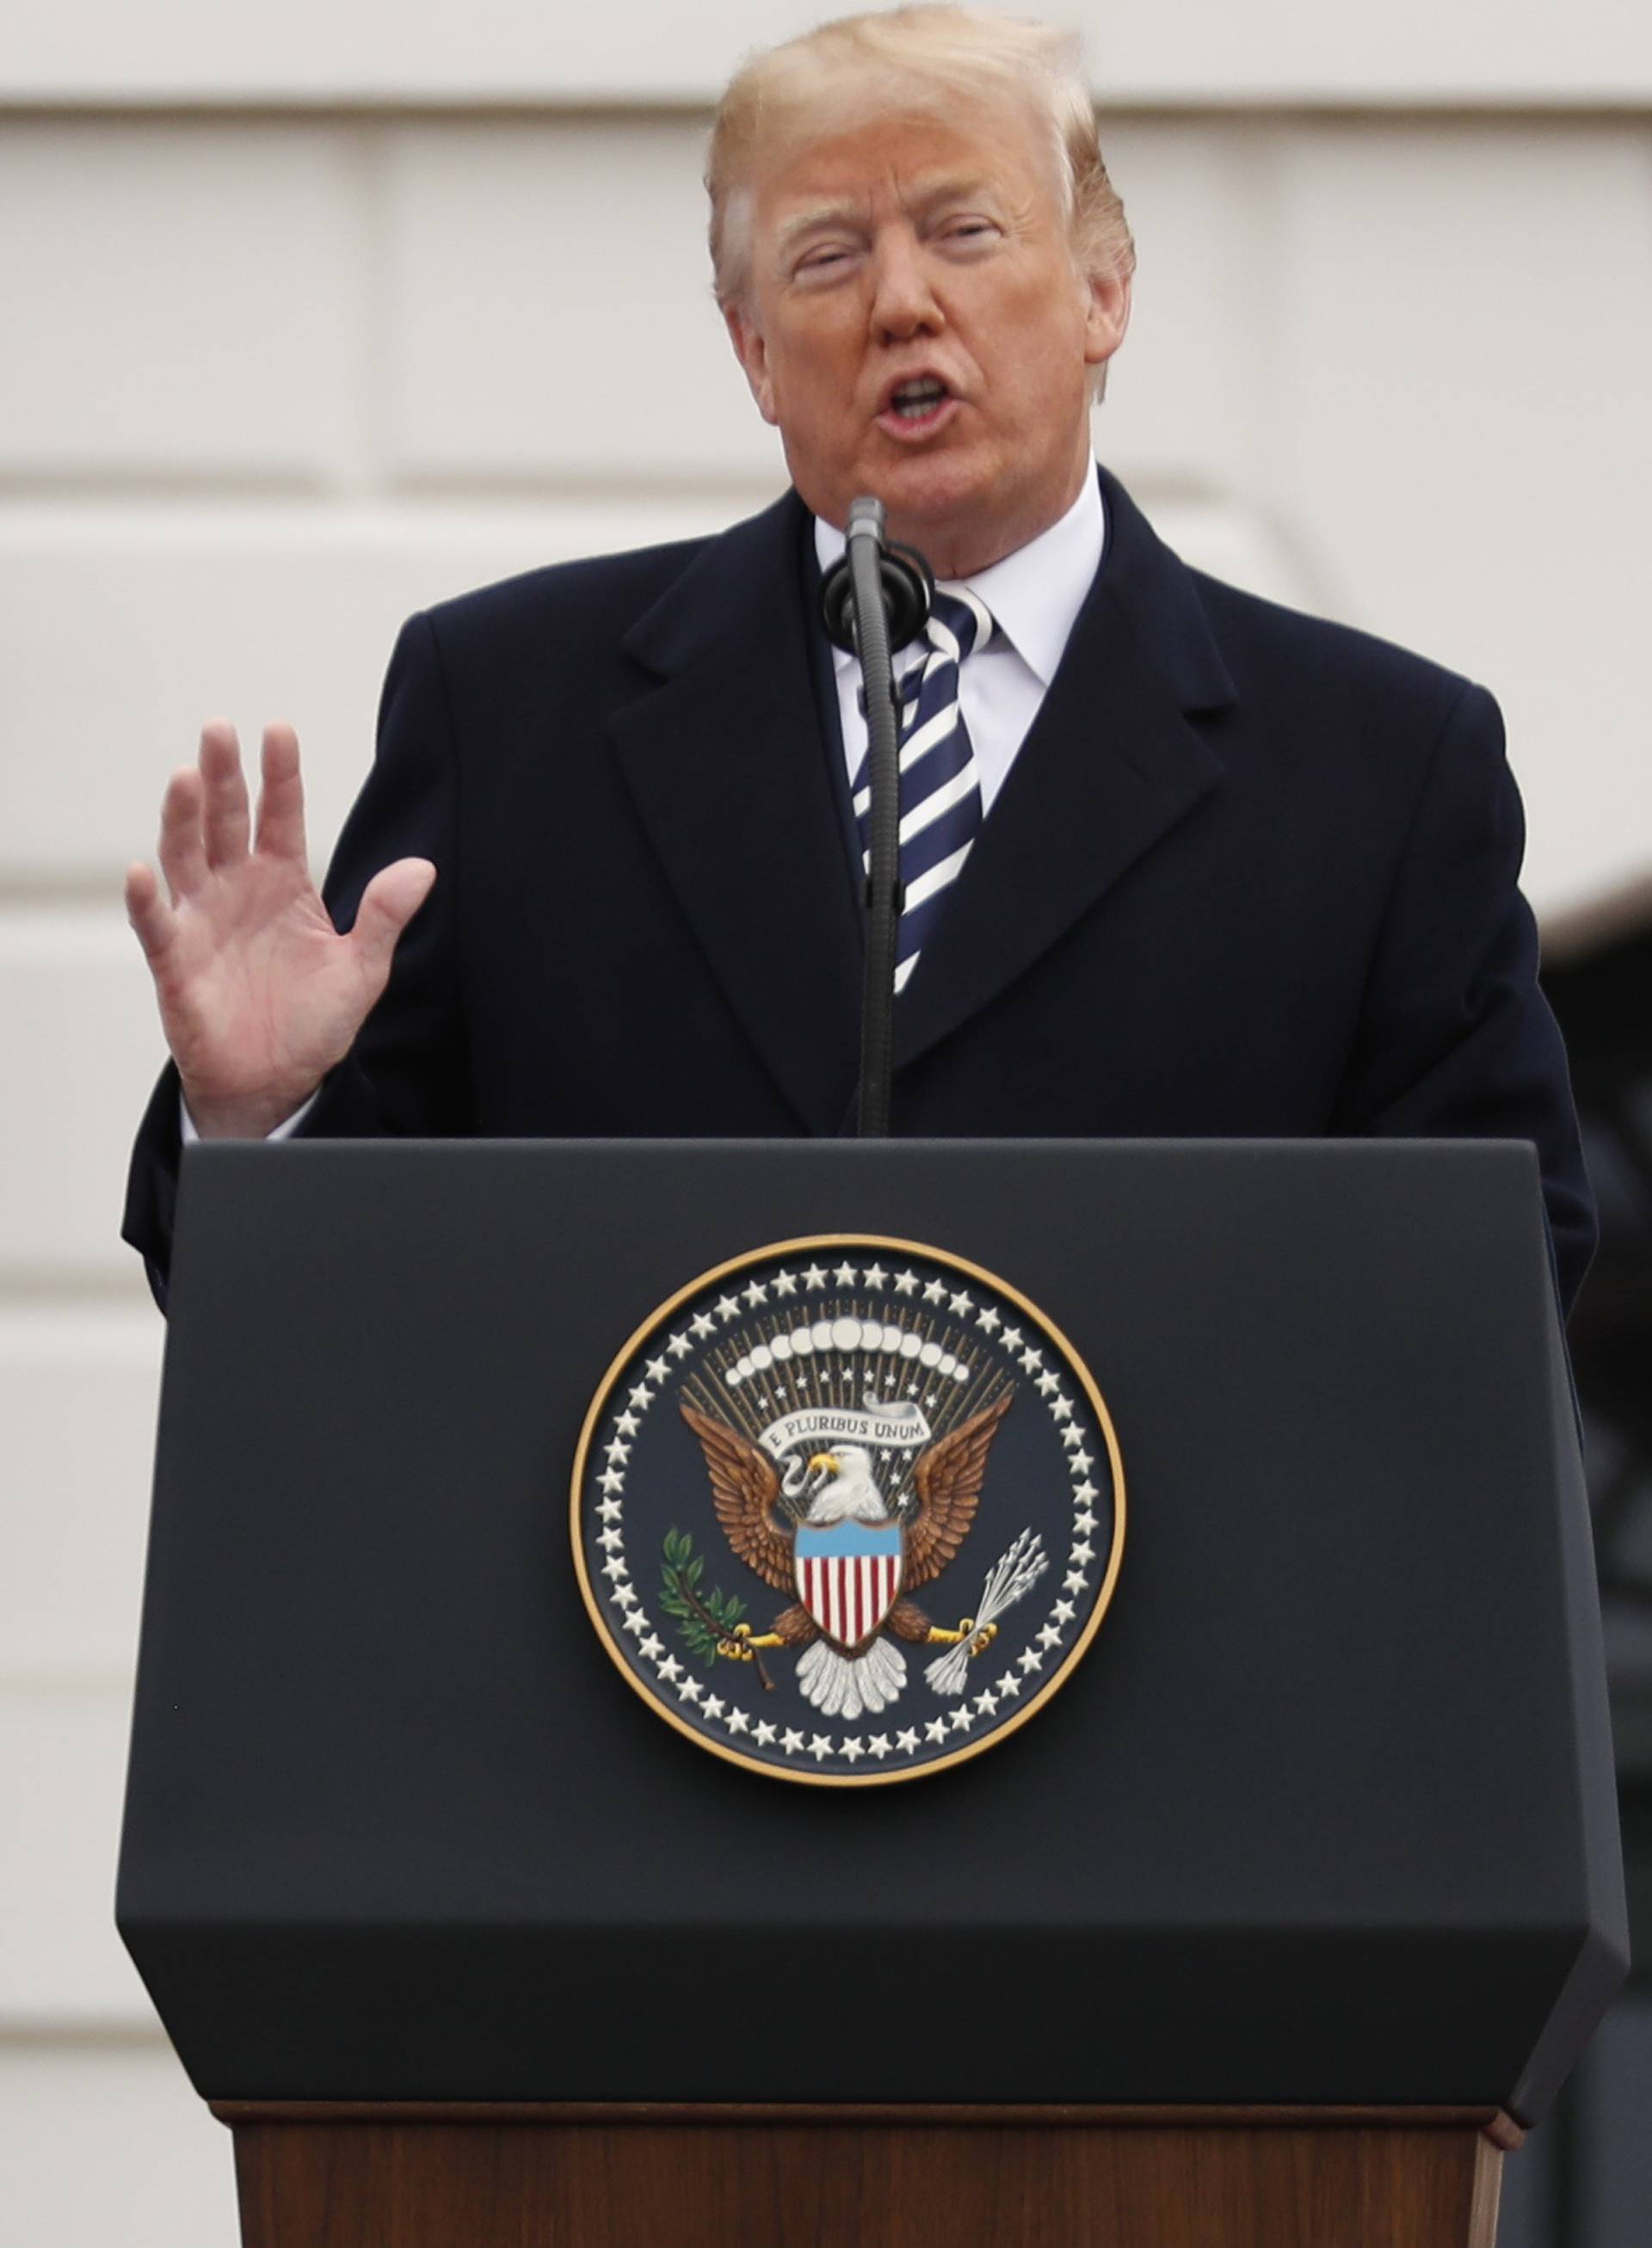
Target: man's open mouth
column 912, row 400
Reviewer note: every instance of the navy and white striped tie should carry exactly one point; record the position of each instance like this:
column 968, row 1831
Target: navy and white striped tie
column 940, row 786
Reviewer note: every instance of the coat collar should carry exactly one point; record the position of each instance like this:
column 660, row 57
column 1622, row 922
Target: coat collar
column 723, row 754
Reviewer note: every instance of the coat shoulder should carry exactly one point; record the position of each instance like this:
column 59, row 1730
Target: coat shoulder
column 584, row 602
column 1276, row 651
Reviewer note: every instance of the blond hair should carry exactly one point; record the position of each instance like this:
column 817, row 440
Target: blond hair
column 911, row 61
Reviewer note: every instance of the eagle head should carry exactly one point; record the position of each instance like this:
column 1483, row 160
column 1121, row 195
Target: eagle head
column 849, row 1493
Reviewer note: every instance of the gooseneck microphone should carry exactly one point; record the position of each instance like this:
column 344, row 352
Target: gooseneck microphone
column 873, row 602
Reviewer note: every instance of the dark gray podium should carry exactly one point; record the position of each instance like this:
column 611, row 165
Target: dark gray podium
column 1289, row 1911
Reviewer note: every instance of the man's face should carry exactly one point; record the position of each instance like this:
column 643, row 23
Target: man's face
column 910, row 247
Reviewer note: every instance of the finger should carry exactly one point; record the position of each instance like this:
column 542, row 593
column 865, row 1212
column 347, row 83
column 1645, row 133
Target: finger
column 183, row 860
column 281, row 797
column 150, row 916
column 388, row 905
column 226, row 818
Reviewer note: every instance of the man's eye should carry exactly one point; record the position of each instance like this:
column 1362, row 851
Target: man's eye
column 818, row 259
column 968, row 228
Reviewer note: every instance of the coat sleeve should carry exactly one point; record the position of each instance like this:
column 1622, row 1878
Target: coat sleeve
column 407, row 1073
column 1456, row 1037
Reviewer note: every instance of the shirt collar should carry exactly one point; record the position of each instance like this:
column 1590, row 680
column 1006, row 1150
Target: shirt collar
column 1035, row 594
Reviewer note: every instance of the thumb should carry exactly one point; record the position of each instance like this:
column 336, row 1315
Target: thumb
column 388, row 905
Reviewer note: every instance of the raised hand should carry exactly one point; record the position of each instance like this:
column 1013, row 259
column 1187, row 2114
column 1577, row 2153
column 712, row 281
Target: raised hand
column 259, row 994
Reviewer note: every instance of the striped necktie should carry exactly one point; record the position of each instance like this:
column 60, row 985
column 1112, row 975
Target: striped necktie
column 939, row 787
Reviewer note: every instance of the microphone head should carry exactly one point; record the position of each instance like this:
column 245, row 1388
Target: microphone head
column 909, row 583
column 866, row 519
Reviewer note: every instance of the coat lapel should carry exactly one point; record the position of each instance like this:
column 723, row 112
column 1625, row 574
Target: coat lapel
column 1111, row 764
column 724, row 759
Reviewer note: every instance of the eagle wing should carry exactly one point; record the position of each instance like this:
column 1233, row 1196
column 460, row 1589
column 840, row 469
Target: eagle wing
column 743, row 1488
column 949, row 1478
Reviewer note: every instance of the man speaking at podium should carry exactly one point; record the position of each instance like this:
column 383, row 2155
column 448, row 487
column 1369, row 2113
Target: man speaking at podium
column 1176, row 860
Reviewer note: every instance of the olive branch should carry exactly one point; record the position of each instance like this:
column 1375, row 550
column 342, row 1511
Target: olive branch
column 704, row 1619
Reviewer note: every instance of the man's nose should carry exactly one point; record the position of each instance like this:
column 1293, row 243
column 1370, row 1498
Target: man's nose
column 903, row 303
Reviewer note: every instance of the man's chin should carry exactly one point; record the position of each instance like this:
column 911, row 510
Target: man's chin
column 928, row 499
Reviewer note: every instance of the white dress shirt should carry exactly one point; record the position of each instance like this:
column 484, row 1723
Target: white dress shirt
column 1035, row 595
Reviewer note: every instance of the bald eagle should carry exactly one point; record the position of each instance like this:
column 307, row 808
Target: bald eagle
column 852, row 1561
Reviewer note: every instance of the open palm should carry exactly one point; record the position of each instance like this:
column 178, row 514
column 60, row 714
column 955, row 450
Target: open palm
column 259, row 995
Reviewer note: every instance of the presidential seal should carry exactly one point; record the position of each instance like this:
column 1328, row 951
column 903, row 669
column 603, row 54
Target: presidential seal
column 848, row 1510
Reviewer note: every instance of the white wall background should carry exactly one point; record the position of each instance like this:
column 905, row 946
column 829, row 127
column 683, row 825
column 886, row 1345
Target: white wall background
column 315, row 313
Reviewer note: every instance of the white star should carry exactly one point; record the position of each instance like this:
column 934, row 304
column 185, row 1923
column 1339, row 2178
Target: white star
column 1062, row 1409
column 738, row 1720
column 1071, row 1434
column 1064, row 1611
column 611, row 1481
column 691, row 1690
column 619, row 1451
column 636, row 1621
column 1082, row 1552
column 1031, row 1660
column 1009, row 1684
column 702, row 1326
column 989, row 1318
column 611, row 1540
column 876, row 1277
column 623, row 1597
column 791, row 1741
column 1050, row 1634
column 785, row 1284
column 1046, row 1383
column 1010, row 1338
column 656, row 1370
column 986, row 1701
column 905, row 1283
column 814, row 1278
column 962, row 1719
column 614, row 1568
column 727, row 1309
column 1081, row 1464
column 878, row 1746
column 610, row 1509
column 908, row 1741
column 679, row 1345
column 935, row 1730
column 1084, row 1493
column 845, row 1277
column 627, row 1424
column 652, row 1648
column 642, row 1394
column 714, row 1705
column 960, row 1302
column 934, row 1292
column 1085, row 1522
column 763, row 1733
column 756, row 1294
column 1074, row 1581
column 820, row 1746
column 852, row 1749
column 1031, row 1361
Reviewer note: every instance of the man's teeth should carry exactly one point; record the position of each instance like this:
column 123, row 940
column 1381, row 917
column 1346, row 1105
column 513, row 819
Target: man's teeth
column 914, row 400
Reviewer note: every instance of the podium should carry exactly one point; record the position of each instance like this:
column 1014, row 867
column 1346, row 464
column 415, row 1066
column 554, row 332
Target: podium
column 1277, row 1924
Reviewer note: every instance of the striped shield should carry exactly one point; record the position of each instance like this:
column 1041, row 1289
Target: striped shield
column 848, row 1576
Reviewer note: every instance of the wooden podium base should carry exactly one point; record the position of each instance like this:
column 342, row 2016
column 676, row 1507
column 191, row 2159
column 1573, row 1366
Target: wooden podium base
column 383, row 2175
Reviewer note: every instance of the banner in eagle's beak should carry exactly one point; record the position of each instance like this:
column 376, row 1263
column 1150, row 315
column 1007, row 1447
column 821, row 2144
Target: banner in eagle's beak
column 848, row 1576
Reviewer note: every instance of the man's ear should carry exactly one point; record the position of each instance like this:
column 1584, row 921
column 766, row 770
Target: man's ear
column 753, row 355
column 1106, row 315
